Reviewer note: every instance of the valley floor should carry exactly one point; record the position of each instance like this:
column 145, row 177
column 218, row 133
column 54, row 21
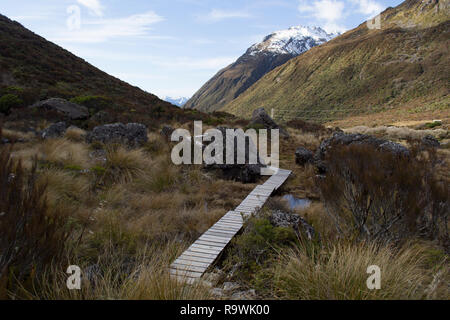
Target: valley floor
column 127, row 214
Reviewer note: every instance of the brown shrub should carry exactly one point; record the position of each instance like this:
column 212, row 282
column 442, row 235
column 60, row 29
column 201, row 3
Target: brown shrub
column 376, row 195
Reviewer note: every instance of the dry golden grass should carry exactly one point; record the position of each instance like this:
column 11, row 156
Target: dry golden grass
column 124, row 165
column 64, row 152
column 75, row 134
column 339, row 272
column 14, row 135
column 147, row 278
column 398, row 133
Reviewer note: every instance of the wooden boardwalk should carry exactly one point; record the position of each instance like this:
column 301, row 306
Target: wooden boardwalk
column 191, row 265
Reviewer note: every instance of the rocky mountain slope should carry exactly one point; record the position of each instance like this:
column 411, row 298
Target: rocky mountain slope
column 36, row 69
column 273, row 51
column 404, row 67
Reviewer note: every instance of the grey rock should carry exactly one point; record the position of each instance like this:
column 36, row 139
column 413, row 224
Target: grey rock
column 69, row 109
column 430, row 141
column 131, row 134
column 289, row 220
column 218, row 292
column 54, row 131
column 230, row 286
column 342, row 139
column 303, row 156
column 248, row 171
column 166, row 132
column 261, row 117
column 102, row 117
column 244, row 295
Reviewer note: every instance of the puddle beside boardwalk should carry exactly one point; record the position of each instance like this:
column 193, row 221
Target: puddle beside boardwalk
column 297, row 203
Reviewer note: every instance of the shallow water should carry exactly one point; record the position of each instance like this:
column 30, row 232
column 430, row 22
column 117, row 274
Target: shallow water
column 297, row 203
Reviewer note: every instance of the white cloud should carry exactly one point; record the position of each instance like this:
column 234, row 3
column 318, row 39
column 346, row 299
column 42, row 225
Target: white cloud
column 94, row 6
column 105, row 29
column 326, row 10
column 216, row 15
column 369, row 8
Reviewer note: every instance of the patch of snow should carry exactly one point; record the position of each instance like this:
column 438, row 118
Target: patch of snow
column 294, row 41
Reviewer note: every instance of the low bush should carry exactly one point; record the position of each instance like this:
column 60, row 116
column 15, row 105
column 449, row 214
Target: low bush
column 376, row 195
column 9, row 101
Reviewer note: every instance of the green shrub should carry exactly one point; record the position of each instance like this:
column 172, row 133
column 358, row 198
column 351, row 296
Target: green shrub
column 93, row 103
column 9, row 101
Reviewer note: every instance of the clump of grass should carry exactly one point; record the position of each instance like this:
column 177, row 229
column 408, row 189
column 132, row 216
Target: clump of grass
column 63, row 152
column 75, row 134
column 340, row 272
column 124, row 165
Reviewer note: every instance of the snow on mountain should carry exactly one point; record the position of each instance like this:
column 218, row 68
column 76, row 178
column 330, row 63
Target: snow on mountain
column 293, row 41
column 177, row 101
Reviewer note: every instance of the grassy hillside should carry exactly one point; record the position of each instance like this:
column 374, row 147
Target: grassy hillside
column 34, row 69
column 403, row 66
column 233, row 80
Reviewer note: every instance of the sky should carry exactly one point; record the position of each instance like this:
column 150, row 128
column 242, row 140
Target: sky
column 172, row 47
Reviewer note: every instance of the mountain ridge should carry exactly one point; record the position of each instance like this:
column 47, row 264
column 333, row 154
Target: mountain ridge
column 40, row 69
column 275, row 50
column 404, row 65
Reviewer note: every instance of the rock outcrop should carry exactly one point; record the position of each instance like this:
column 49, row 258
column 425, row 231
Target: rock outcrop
column 55, row 130
column 130, row 135
column 261, row 117
column 342, row 139
column 68, row 109
column 303, row 156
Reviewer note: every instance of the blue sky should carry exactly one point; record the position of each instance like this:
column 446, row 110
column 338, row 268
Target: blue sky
column 172, row 47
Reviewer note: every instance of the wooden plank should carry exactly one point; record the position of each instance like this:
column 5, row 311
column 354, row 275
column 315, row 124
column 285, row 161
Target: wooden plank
column 195, row 259
column 230, row 225
column 216, row 233
column 200, row 254
column 215, row 239
column 183, row 273
column 182, row 267
column 207, row 252
column 191, row 263
column 211, row 243
column 204, row 249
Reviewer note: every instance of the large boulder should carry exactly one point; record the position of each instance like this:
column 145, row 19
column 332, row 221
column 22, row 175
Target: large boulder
column 288, row 220
column 131, row 134
column 55, row 130
column 342, row 139
column 247, row 172
column 303, row 156
column 430, row 141
column 68, row 109
column 166, row 132
column 102, row 117
column 261, row 117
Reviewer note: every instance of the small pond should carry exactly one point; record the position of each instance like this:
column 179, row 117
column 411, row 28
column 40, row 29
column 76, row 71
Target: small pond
column 297, row 203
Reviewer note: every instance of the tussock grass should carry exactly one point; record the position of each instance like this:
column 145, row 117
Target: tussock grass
column 146, row 277
column 64, row 185
column 339, row 272
column 124, row 165
column 64, row 152
column 75, row 134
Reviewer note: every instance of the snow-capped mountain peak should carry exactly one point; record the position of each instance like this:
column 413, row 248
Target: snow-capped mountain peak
column 177, row 101
column 293, row 41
